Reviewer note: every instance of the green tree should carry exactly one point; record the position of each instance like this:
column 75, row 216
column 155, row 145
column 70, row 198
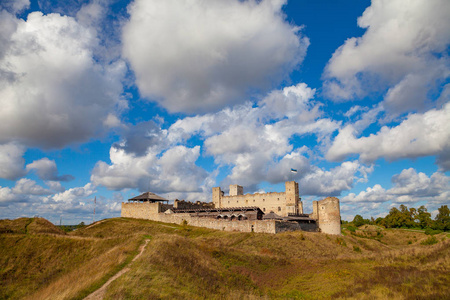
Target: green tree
column 443, row 218
column 358, row 221
column 393, row 219
column 424, row 217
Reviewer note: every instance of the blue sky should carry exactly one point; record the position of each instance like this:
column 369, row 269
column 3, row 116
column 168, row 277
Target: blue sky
column 107, row 99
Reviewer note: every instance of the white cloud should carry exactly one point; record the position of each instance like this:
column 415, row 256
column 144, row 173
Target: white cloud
column 255, row 141
column 15, row 6
column 47, row 58
column 408, row 186
column 175, row 170
column 74, row 194
column 419, row 135
column 332, row 182
column 47, row 170
column 195, row 56
column 27, row 186
column 11, row 161
column 403, row 49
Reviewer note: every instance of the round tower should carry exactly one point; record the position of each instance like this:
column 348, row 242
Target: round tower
column 329, row 215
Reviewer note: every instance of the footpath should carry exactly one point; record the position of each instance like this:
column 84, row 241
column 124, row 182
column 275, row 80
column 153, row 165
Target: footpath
column 100, row 293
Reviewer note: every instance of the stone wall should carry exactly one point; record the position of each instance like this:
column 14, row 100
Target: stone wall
column 329, row 216
column 138, row 211
column 266, row 226
column 280, row 203
column 144, row 210
column 181, row 204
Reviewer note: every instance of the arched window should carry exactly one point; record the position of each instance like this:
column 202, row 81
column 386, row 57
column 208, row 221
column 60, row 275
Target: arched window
column 279, row 208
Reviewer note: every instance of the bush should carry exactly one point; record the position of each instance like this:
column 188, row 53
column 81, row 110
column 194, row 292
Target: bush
column 430, row 231
column 430, row 241
column 351, row 228
column 356, row 249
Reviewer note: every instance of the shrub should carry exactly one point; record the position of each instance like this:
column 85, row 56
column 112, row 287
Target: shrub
column 356, row 249
column 430, row 231
column 351, row 228
column 430, row 241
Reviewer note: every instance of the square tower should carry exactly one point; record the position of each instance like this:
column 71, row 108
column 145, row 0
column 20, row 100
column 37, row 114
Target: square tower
column 236, row 190
column 292, row 197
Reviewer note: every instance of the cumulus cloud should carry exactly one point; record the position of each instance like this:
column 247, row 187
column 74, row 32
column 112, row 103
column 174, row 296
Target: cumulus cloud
column 139, row 138
column 7, row 196
column 404, row 50
column 175, row 170
column 46, row 59
column 408, row 186
column 73, row 194
column 27, row 186
column 11, row 161
column 14, row 6
column 419, row 135
column 47, row 170
column 255, row 140
column 193, row 56
column 320, row 182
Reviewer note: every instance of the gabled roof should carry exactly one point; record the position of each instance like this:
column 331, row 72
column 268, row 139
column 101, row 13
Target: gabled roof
column 148, row 196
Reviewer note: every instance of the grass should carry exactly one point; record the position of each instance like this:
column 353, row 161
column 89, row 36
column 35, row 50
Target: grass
column 184, row 262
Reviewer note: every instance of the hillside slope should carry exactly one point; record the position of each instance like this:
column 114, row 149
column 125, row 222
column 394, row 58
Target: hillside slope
column 183, row 262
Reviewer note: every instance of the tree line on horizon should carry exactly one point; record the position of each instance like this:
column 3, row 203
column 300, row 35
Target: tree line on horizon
column 403, row 217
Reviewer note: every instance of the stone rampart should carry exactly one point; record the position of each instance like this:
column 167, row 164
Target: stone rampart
column 144, row 210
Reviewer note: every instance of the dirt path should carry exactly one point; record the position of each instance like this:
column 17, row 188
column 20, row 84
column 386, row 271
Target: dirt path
column 100, row 293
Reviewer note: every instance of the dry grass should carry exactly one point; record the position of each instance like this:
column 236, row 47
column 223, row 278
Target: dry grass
column 183, row 262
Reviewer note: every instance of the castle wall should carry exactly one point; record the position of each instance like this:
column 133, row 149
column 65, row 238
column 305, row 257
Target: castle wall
column 280, row 203
column 144, row 210
column 275, row 202
column 266, row 226
column 329, row 216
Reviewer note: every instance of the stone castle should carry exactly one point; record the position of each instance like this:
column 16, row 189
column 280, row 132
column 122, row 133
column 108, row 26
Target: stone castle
column 259, row 212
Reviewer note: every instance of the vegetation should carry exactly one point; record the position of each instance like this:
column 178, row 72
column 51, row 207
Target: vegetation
column 403, row 217
column 184, row 262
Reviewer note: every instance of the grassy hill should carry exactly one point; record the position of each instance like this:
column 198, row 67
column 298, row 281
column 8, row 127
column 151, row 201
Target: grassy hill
column 39, row 261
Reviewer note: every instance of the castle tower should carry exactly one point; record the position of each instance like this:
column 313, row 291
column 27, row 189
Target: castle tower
column 236, row 190
column 217, row 197
column 328, row 215
column 292, row 197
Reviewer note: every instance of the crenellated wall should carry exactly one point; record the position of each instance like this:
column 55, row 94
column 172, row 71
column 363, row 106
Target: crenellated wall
column 280, row 203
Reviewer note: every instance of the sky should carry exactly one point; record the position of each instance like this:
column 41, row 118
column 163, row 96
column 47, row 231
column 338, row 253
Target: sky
column 106, row 99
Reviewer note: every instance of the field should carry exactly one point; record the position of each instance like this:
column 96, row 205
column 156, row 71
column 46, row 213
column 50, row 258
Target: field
column 39, row 261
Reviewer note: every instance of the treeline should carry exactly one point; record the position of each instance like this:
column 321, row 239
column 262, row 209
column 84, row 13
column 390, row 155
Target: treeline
column 403, row 217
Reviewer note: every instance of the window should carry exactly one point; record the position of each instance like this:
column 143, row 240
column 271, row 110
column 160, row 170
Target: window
column 279, row 208
column 264, row 209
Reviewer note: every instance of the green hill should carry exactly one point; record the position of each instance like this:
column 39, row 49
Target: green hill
column 183, row 262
